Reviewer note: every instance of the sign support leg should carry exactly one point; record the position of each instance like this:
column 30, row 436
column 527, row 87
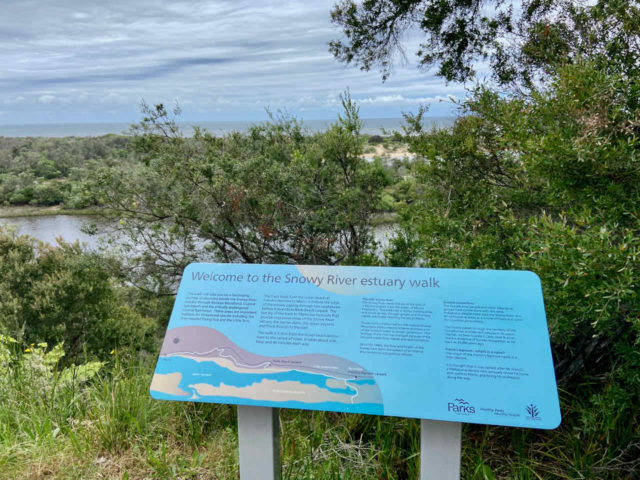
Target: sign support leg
column 440, row 444
column 259, row 443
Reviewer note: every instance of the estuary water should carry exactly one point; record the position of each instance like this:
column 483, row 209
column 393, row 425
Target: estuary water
column 50, row 228
column 69, row 228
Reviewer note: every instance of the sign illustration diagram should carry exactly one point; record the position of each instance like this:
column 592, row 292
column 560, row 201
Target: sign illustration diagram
column 194, row 356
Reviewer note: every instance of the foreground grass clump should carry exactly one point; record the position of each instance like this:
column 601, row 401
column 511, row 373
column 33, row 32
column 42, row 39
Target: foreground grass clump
column 96, row 420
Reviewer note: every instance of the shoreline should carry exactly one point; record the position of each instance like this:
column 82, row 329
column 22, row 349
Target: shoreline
column 18, row 211
column 384, row 218
column 40, row 211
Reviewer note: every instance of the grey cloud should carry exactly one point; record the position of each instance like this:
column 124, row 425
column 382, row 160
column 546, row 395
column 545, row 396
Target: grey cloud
column 165, row 68
column 210, row 54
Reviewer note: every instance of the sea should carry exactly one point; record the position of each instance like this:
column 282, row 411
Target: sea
column 371, row 126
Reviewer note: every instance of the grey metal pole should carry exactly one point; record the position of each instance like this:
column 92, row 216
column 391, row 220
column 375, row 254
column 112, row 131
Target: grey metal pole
column 259, row 443
column 440, row 444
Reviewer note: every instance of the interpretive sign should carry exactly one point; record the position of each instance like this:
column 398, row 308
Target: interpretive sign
column 457, row 345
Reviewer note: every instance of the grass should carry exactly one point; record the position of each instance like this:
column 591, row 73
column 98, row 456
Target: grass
column 111, row 428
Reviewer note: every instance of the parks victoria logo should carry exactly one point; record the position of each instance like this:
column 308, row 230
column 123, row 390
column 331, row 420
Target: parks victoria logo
column 459, row 405
column 532, row 412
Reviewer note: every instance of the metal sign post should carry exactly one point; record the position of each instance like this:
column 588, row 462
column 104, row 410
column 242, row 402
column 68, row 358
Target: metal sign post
column 259, row 446
column 440, row 450
column 259, row 443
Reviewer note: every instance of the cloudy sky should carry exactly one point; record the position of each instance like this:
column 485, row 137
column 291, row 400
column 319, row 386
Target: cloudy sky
column 67, row 61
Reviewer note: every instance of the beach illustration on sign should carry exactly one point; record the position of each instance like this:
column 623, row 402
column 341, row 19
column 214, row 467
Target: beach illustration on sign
column 202, row 364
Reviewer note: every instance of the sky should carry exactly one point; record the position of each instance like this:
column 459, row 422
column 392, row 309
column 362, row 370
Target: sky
column 71, row 61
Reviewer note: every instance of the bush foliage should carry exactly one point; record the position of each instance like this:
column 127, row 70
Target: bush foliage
column 276, row 194
column 54, row 171
column 65, row 295
column 549, row 183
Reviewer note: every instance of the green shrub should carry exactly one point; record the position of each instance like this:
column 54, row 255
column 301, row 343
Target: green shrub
column 47, row 169
column 22, row 196
column 550, row 183
column 65, row 295
column 48, row 193
column 79, row 196
column 271, row 195
column 36, row 371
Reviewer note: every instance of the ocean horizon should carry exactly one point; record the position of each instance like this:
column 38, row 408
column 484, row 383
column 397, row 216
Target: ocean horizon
column 371, row 126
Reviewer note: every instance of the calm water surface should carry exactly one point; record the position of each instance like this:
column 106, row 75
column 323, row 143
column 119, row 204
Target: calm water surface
column 48, row 229
column 69, row 229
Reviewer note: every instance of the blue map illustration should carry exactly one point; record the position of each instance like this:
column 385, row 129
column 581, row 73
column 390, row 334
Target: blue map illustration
column 201, row 364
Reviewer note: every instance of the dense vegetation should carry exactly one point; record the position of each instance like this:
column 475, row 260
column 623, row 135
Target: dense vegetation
column 54, row 171
column 276, row 194
column 62, row 295
column 541, row 171
column 549, row 185
column 483, row 194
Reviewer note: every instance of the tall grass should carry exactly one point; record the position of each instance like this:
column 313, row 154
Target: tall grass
column 107, row 426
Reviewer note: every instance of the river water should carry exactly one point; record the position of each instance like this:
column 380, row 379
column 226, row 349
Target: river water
column 49, row 228
column 69, row 229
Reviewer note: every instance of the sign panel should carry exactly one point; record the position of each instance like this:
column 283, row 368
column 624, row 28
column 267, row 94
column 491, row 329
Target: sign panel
column 442, row 344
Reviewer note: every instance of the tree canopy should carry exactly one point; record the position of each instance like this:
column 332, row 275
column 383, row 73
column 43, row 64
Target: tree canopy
column 522, row 41
column 275, row 194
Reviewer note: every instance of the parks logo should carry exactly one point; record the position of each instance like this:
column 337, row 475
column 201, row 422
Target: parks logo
column 459, row 405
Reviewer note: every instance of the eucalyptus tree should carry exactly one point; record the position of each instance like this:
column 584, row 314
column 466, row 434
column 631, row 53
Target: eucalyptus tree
column 275, row 194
